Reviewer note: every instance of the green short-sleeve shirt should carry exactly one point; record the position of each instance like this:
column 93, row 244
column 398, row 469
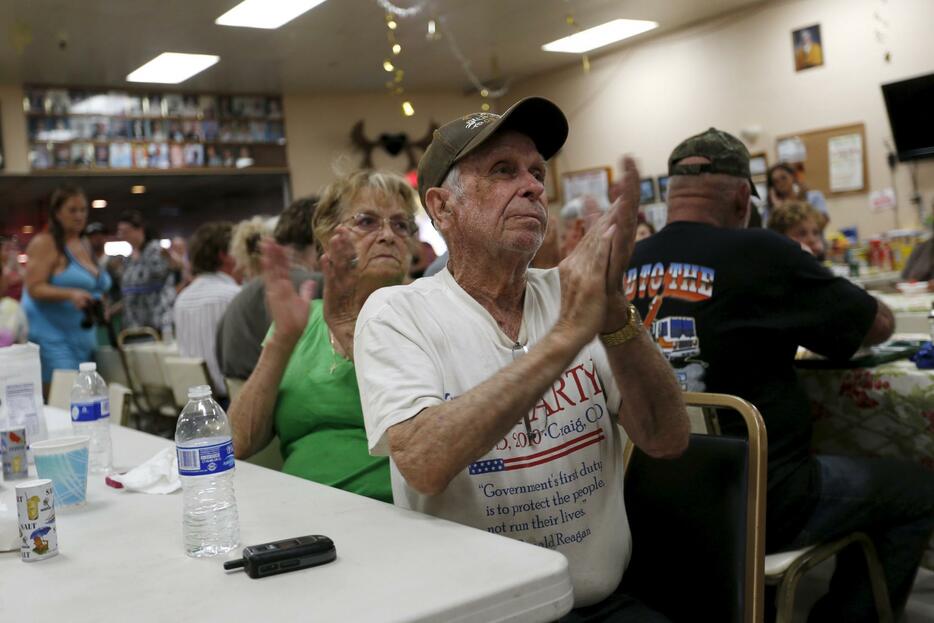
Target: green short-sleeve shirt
column 319, row 419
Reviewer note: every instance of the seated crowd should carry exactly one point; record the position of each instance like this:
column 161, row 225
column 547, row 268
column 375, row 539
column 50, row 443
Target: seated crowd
column 410, row 390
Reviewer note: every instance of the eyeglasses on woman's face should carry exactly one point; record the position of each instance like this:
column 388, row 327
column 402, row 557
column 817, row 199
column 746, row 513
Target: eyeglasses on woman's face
column 367, row 223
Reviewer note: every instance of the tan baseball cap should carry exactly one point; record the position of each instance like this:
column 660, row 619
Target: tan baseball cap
column 536, row 117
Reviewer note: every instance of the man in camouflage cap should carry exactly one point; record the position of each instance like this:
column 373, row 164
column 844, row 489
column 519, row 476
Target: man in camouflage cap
column 486, row 383
column 737, row 303
column 713, row 151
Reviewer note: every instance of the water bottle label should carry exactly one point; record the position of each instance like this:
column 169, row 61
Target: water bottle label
column 90, row 411
column 205, row 460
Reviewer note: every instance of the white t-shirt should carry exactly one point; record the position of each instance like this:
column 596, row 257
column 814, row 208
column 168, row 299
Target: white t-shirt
column 198, row 311
column 418, row 345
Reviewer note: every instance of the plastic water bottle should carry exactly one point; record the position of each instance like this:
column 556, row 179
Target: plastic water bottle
column 90, row 415
column 210, row 524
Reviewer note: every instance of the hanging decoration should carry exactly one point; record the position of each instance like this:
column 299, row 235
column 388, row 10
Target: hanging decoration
column 570, row 21
column 394, row 86
column 411, row 11
column 487, row 92
column 392, row 144
column 882, row 28
column 437, row 29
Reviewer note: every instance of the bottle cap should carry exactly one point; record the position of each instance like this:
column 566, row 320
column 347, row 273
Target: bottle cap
column 87, row 366
column 199, row 391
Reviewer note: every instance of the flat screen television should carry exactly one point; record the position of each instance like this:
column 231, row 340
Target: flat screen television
column 910, row 104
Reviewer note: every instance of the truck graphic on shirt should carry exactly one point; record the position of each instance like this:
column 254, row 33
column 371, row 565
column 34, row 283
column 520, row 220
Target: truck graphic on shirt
column 676, row 336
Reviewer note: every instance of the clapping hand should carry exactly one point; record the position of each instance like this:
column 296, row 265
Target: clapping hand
column 341, row 279
column 583, row 281
column 624, row 213
column 287, row 307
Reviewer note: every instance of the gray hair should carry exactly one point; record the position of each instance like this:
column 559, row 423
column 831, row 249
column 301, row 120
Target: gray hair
column 452, row 181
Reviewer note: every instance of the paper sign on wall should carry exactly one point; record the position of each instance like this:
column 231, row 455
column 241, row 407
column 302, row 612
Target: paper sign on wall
column 791, row 150
column 594, row 182
column 882, row 200
column 845, row 154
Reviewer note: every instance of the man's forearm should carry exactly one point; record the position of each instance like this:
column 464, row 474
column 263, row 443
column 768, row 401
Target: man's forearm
column 251, row 413
column 431, row 448
column 652, row 409
column 883, row 325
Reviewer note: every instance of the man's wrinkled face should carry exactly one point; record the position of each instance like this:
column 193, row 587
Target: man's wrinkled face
column 502, row 202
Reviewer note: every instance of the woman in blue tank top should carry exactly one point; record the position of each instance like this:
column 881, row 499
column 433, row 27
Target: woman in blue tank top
column 62, row 280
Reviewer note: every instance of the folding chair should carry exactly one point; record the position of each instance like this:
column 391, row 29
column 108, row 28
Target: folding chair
column 698, row 523
column 111, row 365
column 185, row 372
column 785, row 569
column 119, row 405
column 60, row 388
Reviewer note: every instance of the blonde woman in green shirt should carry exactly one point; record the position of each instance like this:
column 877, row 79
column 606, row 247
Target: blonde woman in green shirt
column 304, row 388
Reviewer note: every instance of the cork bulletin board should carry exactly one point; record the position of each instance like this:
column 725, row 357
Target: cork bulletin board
column 831, row 160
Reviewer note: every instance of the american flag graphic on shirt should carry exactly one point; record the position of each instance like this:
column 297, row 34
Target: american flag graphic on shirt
column 538, row 458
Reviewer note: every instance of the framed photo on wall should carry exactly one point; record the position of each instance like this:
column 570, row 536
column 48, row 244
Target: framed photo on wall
column 551, row 181
column 594, row 182
column 808, row 48
column 646, row 190
column 663, row 188
column 758, row 164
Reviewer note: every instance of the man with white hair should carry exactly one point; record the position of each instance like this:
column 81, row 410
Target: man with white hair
column 577, row 216
column 739, row 302
column 487, row 385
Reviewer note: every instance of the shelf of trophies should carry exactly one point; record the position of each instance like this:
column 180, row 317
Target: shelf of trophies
column 143, row 132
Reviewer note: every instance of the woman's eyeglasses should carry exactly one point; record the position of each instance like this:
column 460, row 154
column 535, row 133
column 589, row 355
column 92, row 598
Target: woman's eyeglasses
column 367, row 223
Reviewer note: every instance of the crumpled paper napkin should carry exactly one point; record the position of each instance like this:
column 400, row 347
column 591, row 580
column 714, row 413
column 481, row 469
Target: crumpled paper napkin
column 158, row 475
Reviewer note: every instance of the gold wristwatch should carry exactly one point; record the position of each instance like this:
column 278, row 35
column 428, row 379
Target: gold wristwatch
column 625, row 333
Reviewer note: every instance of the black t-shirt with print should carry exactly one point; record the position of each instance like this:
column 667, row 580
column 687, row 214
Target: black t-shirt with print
column 742, row 301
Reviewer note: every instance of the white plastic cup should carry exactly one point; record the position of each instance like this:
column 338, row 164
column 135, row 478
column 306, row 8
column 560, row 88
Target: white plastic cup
column 13, row 452
column 64, row 461
column 35, row 509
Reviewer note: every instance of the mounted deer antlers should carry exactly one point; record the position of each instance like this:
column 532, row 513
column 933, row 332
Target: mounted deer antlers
column 393, row 144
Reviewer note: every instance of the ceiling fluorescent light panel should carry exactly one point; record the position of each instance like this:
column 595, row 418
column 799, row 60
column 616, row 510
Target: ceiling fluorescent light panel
column 172, row 68
column 269, row 14
column 599, row 36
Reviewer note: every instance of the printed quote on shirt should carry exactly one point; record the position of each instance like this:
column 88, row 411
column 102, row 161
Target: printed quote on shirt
column 558, row 465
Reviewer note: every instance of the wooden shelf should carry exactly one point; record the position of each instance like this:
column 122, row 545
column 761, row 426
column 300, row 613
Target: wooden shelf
column 53, row 115
column 91, row 172
column 139, row 141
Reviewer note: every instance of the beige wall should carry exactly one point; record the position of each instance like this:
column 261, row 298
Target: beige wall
column 738, row 71
column 318, row 129
column 13, row 126
column 732, row 72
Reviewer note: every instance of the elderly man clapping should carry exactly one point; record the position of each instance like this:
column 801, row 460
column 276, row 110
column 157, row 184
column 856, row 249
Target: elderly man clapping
column 487, row 385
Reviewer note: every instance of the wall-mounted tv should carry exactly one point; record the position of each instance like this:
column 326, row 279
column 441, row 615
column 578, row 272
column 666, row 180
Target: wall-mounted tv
column 910, row 104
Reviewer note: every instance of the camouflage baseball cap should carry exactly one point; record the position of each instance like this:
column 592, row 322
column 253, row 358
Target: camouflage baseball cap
column 726, row 153
column 536, row 117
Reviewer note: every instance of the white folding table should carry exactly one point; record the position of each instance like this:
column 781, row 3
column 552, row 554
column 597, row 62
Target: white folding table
column 121, row 559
